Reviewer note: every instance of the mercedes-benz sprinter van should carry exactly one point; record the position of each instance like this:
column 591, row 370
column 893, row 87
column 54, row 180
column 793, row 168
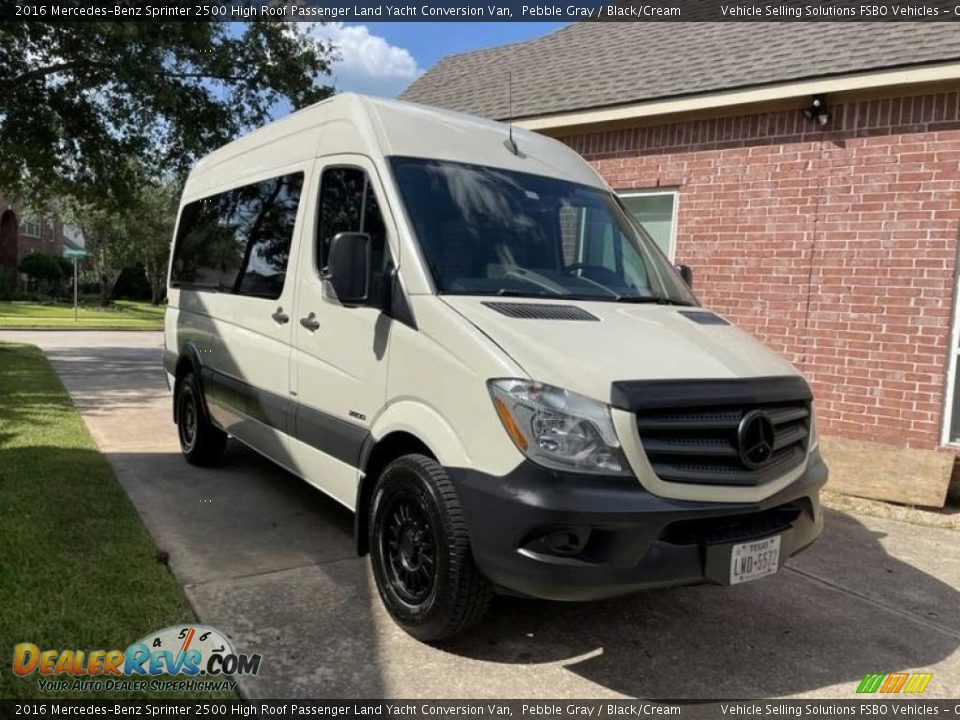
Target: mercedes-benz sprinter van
column 460, row 334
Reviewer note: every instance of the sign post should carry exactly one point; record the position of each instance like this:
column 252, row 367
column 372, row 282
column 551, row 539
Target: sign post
column 75, row 255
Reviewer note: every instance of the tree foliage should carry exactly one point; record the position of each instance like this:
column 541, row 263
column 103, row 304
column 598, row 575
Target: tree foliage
column 149, row 229
column 46, row 272
column 41, row 267
column 78, row 100
column 140, row 234
column 109, row 247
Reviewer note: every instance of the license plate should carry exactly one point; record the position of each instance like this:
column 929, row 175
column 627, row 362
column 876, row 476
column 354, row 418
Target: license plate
column 753, row 560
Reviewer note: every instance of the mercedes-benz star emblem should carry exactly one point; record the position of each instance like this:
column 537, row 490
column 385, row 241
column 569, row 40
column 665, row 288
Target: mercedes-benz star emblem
column 755, row 439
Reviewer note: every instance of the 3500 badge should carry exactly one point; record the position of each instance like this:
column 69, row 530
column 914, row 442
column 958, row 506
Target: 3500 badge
column 178, row 650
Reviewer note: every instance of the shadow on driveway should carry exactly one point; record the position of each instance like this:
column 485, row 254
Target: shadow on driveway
column 273, row 562
column 844, row 609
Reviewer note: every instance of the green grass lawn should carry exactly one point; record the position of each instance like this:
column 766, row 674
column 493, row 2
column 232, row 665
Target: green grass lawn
column 122, row 315
column 77, row 569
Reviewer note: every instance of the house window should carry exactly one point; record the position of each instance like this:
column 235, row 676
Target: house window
column 656, row 211
column 30, row 226
column 951, row 420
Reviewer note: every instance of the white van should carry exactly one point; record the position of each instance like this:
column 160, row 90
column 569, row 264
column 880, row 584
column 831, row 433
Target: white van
column 460, row 335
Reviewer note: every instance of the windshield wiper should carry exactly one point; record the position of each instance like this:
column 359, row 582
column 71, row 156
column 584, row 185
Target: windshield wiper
column 559, row 296
column 658, row 299
column 503, row 292
column 636, row 299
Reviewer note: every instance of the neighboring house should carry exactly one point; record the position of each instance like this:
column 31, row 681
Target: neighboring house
column 22, row 232
column 829, row 231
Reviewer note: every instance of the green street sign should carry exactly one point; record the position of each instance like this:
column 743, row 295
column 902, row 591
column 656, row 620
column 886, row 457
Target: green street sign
column 74, row 254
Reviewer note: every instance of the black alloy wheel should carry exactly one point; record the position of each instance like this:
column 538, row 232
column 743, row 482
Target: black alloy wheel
column 188, row 414
column 408, row 544
column 420, row 551
column 201, row 442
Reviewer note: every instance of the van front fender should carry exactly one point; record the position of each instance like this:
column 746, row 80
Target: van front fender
column 427, row 425
column 406, row 426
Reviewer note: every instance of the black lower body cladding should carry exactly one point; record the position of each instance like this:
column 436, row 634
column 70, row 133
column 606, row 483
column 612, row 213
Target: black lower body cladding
column 563, row 536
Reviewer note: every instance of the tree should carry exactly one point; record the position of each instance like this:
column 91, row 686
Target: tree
column 109, row 247
column 78, row 99
column 149, row 227
column 45, row 270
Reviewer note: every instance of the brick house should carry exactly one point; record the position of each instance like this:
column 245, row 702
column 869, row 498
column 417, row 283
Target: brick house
column 22, row 232
column 809, row 173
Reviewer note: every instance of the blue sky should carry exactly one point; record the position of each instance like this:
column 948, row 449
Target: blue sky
column 383, row 58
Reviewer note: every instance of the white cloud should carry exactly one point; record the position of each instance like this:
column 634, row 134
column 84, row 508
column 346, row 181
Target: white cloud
column 368, row 63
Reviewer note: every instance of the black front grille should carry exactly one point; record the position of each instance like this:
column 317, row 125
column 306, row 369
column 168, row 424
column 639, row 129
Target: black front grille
column 700, row 444
column 735, row 528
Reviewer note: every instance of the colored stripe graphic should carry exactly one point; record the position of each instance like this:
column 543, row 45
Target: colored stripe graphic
column 918, row 682
column 891, row 683
column 894, row 682
column 871, row 682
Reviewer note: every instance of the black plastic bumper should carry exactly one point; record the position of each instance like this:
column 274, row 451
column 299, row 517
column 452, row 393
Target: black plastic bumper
column 562, row 536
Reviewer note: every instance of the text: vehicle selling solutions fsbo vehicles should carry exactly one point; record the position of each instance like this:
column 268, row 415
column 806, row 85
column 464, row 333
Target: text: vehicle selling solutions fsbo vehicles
column 466, row 340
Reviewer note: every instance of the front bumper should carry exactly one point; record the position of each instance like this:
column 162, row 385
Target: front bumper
column 560, row 536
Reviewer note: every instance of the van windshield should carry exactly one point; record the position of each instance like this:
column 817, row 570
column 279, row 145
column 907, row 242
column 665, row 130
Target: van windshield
column 488, row 231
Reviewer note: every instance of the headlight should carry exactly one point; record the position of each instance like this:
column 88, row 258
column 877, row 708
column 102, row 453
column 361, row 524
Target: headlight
column 558, row 429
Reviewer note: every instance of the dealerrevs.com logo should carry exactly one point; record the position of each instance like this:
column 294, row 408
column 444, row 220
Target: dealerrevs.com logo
column 189, row 652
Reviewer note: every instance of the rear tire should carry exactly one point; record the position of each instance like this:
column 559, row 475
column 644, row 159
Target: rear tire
column 201, row 442
column 420, row 551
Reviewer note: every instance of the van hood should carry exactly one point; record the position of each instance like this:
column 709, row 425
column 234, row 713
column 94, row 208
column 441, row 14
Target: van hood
column 624, row 342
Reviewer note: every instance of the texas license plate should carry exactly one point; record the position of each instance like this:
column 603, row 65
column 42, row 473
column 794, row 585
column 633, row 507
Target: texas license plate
column 755, row 559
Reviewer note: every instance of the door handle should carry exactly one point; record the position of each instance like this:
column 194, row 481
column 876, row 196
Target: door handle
column 280, row 317
column 310, row 322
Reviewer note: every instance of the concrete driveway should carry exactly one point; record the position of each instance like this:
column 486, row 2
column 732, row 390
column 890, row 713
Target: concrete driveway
column 270, row 561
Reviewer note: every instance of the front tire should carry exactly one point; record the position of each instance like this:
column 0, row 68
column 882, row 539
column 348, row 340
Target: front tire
column 420, row 551
column 201, row 442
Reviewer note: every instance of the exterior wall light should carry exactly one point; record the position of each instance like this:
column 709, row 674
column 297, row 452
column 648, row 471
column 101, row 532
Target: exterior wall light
column 817, row 112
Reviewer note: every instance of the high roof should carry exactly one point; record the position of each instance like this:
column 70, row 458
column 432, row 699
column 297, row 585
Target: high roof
column 601, row 64
column 377, row 127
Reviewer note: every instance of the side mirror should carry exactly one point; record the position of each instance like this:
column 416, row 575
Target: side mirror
column 348, row 267
column 686, row 272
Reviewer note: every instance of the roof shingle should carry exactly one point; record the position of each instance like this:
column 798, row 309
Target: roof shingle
column 598, row 64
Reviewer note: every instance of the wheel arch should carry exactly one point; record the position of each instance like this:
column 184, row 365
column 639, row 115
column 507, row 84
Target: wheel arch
column 188, row 360
column 375, row 455
column 405, row 426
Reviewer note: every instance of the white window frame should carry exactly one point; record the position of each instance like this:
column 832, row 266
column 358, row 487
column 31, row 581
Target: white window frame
column 28, row 223
column 952, row 363
column 673, row 192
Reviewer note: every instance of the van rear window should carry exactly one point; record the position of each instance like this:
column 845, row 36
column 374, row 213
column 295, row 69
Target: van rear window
column 238, row 241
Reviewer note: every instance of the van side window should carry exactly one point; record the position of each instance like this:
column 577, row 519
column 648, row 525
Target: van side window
column 238, row 241
column 349, row 204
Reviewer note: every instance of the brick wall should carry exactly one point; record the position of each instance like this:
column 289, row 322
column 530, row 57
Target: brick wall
column 50, row 240
column 835, row 245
